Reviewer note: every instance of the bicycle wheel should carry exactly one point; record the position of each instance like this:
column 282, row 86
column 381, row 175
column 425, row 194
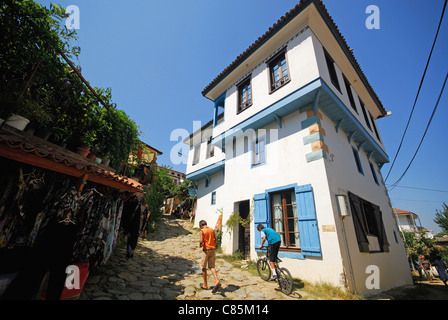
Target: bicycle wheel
column 285, row 281
column 264, row 270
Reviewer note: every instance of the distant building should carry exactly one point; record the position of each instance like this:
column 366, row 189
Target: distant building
column 178, row 177
column 141, row 162
column 407, row 221
column 293, row 143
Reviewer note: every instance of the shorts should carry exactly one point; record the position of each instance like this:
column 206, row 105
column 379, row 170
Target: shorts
column 273, row 251
column 208, row 257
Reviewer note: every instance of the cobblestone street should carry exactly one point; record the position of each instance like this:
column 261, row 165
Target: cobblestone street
column 167, row 267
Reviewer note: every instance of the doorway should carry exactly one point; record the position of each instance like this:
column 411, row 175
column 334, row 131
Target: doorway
column 243, row 207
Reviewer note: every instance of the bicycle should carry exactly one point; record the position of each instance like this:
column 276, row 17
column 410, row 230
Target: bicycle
column 284, row 277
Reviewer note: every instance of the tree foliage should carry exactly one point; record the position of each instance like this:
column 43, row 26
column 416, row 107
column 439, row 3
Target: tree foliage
column 442, row 219
column 37, row 83
column 157, row 192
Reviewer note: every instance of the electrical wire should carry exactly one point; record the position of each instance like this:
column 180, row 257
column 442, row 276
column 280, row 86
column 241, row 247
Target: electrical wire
column 426, row 130
column 418, row 200
column 425, row 189
column 418, row 92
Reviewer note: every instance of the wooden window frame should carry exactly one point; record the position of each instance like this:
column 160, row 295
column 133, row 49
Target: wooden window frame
column 374, row 127
column 210, row 148
column 357, row 160
column 369, row 226
column 287, row 247
column 247, row 82
column 254, row 153
column 196, row 154
column 364, row 112
column 332, row 70
column 351, row 98
column 374, row 175
column 285, row 79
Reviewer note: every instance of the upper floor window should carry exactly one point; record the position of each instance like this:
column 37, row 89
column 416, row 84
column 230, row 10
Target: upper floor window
column 364, row 112
column 213, row 198
column 278, row 70
column 332, row 70
column 259, row 151
column 244, row 95
column 350, row 94
column 197, row 151
column 373, row 173
column 374, row 127
column 357, row 160
column 210, row 148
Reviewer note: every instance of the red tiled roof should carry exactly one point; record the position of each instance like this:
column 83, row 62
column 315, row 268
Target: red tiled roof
column 280, row 24
column 23, row 147
column 400, row 211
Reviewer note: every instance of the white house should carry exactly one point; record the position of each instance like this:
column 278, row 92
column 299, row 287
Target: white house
column 406, row 220
column 293, row 144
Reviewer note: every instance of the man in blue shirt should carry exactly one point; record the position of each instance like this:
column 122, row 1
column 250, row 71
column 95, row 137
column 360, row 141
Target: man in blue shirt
column 274, row 241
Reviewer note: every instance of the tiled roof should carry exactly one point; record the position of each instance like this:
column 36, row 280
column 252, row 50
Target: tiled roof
column 280, row 24
column 401, row 211
column 21, row 146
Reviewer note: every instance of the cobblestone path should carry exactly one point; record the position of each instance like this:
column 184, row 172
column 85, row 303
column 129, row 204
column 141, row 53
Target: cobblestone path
column 166, row 267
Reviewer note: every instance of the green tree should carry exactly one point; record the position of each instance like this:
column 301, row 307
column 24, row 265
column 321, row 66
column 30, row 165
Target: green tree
column 442, row 219
column 155, row 194
column 37, row 83
column 31, row 71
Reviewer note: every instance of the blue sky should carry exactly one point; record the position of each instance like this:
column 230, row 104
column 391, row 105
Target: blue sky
column 158, row 55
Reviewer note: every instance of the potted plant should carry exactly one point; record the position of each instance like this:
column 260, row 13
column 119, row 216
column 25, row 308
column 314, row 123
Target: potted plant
column 17, row 121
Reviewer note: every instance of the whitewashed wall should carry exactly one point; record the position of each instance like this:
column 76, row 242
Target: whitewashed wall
column 286, row 164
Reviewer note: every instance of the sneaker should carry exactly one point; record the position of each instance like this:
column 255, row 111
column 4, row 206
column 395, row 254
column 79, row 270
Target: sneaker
column 274, row 277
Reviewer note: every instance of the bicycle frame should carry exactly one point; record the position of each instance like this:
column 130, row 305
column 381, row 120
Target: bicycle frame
column 267, row 257
column 284, row 278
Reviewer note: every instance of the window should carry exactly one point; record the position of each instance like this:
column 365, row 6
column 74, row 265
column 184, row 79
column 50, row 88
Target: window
column 244, row 95
column 197, row 151
column 213, row 197
column 210, row 148
column 357, row 160
column 363, row 108
column 374, row 173
column 350, row 94
column 332, row 70
column 284, row 219
column 219, row 103
column 374, row 127
column 369, row 226
column 259, row 151
column 291, row 211
column 278, row 69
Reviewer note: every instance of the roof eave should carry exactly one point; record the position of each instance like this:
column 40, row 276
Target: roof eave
column 298, row 9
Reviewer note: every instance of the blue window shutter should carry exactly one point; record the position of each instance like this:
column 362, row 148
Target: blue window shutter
column 306, row 212
column 261, row 216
